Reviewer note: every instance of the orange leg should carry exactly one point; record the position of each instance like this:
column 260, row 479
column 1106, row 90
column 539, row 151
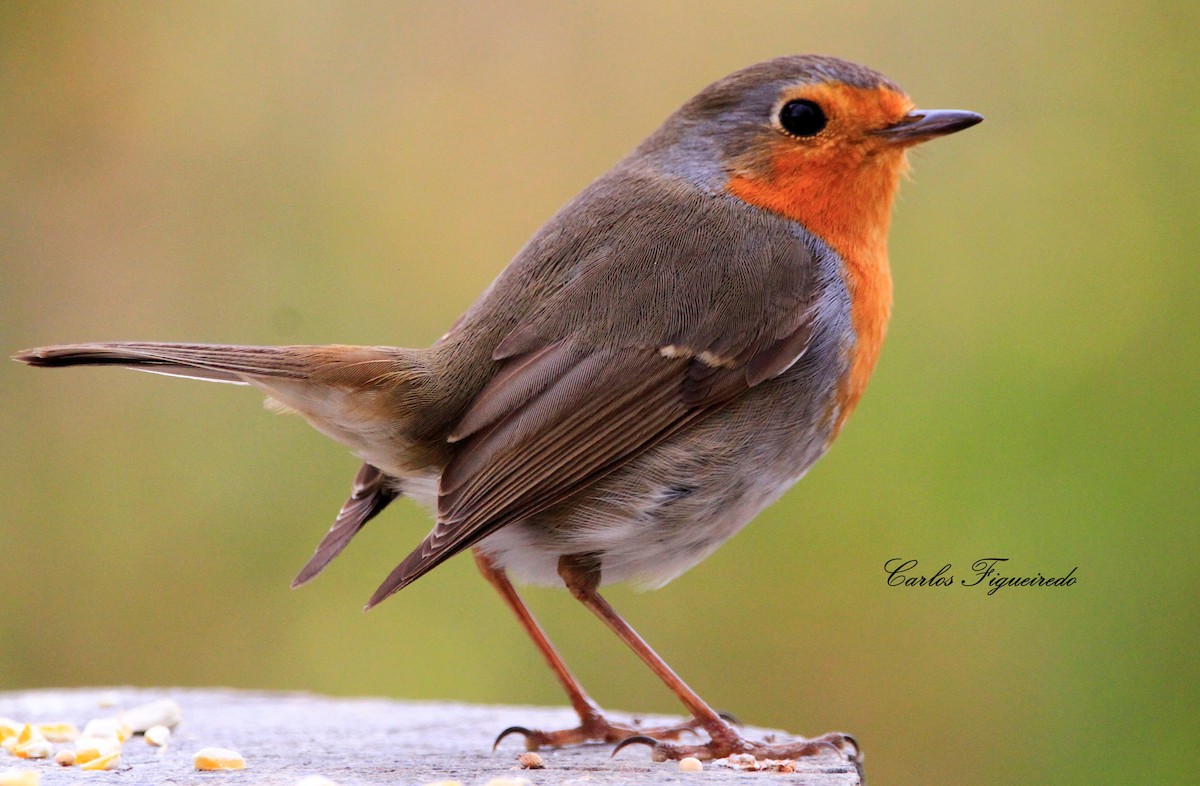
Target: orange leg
column 582, row 577
column 593, row 726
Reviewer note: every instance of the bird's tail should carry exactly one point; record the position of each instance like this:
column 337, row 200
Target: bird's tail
column 213, row 362
column 359, row 396
column 367, row 398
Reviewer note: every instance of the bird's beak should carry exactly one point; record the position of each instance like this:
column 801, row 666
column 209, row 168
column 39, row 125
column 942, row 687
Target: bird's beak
column 920, row 125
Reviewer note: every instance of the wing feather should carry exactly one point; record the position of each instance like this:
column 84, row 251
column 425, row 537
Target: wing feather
column 646, row 334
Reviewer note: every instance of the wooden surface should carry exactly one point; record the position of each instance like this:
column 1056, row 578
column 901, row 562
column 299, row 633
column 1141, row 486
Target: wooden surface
column 287, row 736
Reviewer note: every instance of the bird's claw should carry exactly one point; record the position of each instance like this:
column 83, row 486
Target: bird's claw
column 526, row 733
column 637, row 739
column 594, row 729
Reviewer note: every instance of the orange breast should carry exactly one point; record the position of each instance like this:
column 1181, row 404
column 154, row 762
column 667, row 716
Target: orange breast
column 845, row 199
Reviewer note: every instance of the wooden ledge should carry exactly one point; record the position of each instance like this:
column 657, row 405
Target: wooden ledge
column 287, row 736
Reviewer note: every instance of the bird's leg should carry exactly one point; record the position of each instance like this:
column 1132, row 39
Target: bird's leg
column 593, row 726
column 582, row 577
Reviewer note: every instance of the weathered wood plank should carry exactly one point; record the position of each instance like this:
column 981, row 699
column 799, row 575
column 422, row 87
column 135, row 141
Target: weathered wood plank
column 287, row 736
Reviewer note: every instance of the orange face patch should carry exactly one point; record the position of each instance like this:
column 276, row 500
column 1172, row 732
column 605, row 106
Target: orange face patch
column 839, row 185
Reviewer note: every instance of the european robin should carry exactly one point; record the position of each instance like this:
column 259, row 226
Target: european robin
column 666, row 356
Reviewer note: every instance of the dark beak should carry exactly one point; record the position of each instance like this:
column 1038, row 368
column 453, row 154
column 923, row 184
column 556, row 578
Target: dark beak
column 922, row 124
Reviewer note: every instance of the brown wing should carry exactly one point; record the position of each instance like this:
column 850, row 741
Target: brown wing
column 573, row 417
column 650, row 333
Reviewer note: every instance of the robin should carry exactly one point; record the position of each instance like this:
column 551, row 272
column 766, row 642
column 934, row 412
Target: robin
column 663, row 359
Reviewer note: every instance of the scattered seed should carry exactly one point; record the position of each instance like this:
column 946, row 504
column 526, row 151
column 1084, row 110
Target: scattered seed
column 20, row 778
column 37, row 748
column 744, row 760
column 111, row 728
column 90, row 748
column 65, row 758
column 218, row 759
column 58, row 732
column 108, row 761
column 690, row 764
column 531, row 761
column 164, row 712
column 158, row 736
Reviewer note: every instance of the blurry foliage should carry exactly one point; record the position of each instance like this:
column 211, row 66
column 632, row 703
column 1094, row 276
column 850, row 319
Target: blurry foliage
column 357, row 173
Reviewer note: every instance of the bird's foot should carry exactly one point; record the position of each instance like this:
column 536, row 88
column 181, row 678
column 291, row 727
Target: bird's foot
column 724, row 745
column 597, row 728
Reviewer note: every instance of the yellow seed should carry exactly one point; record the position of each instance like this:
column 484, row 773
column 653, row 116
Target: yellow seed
column 65, row 758
column 27, row 733
column 36, row 748
column 164, row 712
column 20, row 778
column 9, row 728
column 87, row 753
column 90, row 748
column 158, row 735
column 58, row 732
column 109, row 761
column 690, row 764
column 218, row 759
column 113, row 728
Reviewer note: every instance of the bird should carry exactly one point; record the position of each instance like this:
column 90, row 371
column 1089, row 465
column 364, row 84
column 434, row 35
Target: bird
column 665, row 357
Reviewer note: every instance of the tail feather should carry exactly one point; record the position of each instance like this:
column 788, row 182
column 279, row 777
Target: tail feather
column 372, row 492
column 366, row 398
column 214, row 362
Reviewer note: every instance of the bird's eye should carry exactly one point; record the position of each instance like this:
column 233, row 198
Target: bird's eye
column 802, row 118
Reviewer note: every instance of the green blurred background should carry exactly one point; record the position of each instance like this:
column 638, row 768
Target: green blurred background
column 357, row 173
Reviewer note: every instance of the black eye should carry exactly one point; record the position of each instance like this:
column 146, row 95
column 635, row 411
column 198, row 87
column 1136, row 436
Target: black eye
column 802, row 118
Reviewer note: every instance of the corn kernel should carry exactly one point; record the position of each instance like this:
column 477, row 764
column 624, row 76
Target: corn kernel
column 164, row 712
column 158, row 736
column 9, row 728
column 36, row 748
column 90, row 748
column 107, row 727
column 109, row 761
column 65, row 758
column 690, row 764
column 218, row 759
column 20, row 778
column 58, row 732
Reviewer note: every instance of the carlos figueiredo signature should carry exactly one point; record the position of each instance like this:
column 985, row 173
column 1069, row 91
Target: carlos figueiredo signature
column 903, row 572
